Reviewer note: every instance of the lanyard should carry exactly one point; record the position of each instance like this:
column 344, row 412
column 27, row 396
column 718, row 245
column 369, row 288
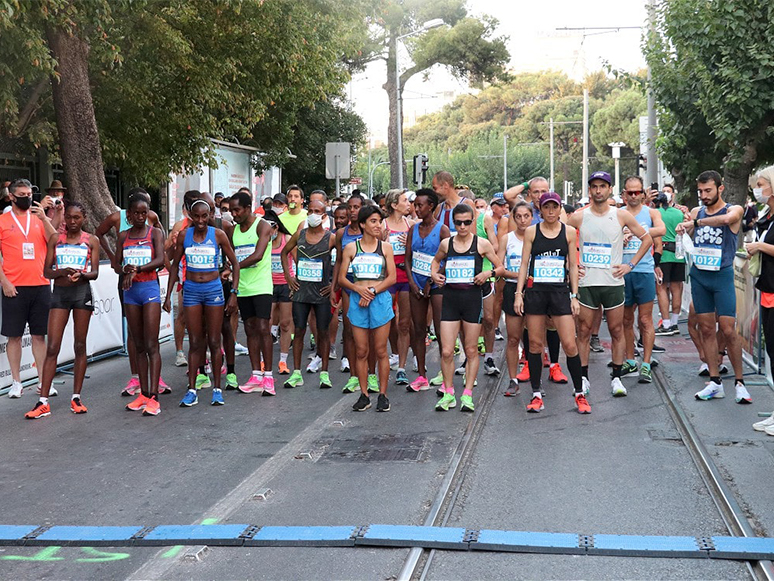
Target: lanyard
column 15, row 219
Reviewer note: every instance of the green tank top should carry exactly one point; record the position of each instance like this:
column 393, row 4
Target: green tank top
column 256, row 279
column 481, row 233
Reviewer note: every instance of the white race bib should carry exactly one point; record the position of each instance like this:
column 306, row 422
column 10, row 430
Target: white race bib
column 397, row 243
column 367, row 266
column 138, row 255
column 276, row 264
column 243, row 252
column 632, row 246
column 200, row 258
column 420, row 263
column 597, row 255
column 548, row 269
column 460, row 270
column 707, row 257
column 71, row 256
column 310, row 269
column 513, row 263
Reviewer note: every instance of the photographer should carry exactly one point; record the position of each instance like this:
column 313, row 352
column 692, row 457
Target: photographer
column 670, row 274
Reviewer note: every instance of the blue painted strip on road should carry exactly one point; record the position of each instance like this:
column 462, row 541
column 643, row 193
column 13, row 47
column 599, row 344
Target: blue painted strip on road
column 14, row 534
column 647, row 546
column 408, row 536
column 223, row 535
column 527, row 542
column 85, row 536
column 335, row 536
column 747, row 548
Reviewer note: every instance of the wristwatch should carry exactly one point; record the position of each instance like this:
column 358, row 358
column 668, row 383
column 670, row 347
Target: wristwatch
column 372, row 289
column 631, row 265
column 573, row 296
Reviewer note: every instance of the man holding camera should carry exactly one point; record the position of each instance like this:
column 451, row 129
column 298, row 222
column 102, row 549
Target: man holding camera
column 670, row 274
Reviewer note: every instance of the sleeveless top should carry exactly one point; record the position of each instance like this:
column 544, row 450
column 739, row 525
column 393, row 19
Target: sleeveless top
column 347, row 238
column 256, row 279
column 462, row 267
column 398, row 247
column 370, row 266
column 548, row 261
column 646, row 264
column 314, row 269
column 139, row 252
column 201, row 256
column 513, row 248
column 123, row 221
column 601, row 246
column 77, row 256
column 536, row 217
column 481, row 231
column 714, row 246
column 277, row 274
column 445, row 215
column 422, row 252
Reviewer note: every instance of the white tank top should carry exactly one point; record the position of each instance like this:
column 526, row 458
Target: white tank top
column 601, row 247
column 513, row 250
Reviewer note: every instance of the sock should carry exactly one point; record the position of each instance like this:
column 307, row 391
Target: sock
column 43, row 400
column 283, row 357
column 740, row 380
column 403, row 369
column 514, row 380
column 487, row 356
column 274, row 329
column 201, row 370
column 646, row 365
column 616, row 371
column 136, row 376
column 715, row 378
column 76, row 396
column 191, row 390
column 535, row 362
column 584, row 370
column 552, row 338
column 230, row 368
column 214, row 389
column 449, row 389
column 257, row 373
column 632, row 362
column 576, row 373
column 537, row 394
column 524, row 344
column 267, row 373
column 673, row 319
column 467, row 391
column 179, row 352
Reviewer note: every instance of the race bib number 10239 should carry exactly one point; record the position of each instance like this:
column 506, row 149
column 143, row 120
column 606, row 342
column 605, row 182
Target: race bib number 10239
column 597, row 255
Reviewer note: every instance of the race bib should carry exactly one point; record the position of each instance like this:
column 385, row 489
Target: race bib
column 597, row 255
column 333, row 256
column 548, row 269
column 512, row 264
column 310, row 269
column 632, row 246
column 420, row 263
column 707, row 257
column 460, row 270
column 200, row 257
column 244, row 251
column 71, row 256
column 367, row 266
column 138, row 255
column 397, row 243
column 276, row 264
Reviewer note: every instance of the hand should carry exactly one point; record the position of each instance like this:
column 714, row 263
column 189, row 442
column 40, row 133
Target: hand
column 682, row 227
column 231, row 304
column 627, row 235
column 365, row 293
column 167, row 306
column 414, row 289
column 364, row 302
column 659, row 275
column 9, row 290
column 752, row 248
column 128, row 281
column 621, row 270
column 129, row 269
column 439, row 279
column 68, row 272
column 581, row 271
column 481, row 277
column 518, row 304
column 47, row 202
column 38, row 211
column 75, row 276
column 225, row 275
column 326, row 290
column 294, row 284
column 335, row 303
column 575, row 306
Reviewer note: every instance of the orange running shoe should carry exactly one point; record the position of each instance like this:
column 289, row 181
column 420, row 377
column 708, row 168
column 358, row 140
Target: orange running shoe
column 555, row 374
column 138, row 404
column 41, row 410
column 523, row 374
column 283, row 368
column 583, row 404
column 262, row 369
column 536, row 405
column 77, row 407
column 152, row 407
column 546, row 361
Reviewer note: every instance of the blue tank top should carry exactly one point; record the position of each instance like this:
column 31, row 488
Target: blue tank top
column 123, row 222
column 346, row 238
column 201, row 256
column 422, row 252
column 715, row 246
column 536, row 217
column 632, row 247
column 445, row 216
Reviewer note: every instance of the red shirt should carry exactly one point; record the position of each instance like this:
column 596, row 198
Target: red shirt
column 18, row 270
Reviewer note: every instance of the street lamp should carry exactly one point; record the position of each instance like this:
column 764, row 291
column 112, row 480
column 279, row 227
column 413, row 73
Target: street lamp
column 434, row 23
column 371, row 178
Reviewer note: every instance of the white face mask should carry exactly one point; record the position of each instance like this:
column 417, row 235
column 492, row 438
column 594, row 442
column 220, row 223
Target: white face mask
column 668, row 196
column 314, row 220
column 226, row 215
column 759, row 197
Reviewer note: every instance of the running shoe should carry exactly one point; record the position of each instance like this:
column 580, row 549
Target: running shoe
column 231, row 381
column 628, row 368
column 704, row 370
column 763, row 424
column 163, row 387
column 769, row 430
column 460, row 370
column 283, row 368
column 742, row 395
column 723, row 369
column 437, row 380
column 440, row 390
column 498, row 334
column 373, row 383
column 189, row 399
column 362, row 403
column 41, row 410
column 152, row 407
column 535, row 406
column 352, row 385
column 667, row 331
column 466, row 403
column 481, row 346
column 401, row 378
column 203, row 381
column 137, row 404
column 312, row 343
column 428, row 342
column 419, row 384
column 586, row 385
column 617, row 387
column 344, row 368
column 513, row 389
column 295, row 380
column 431, row 334
column 217, row 397
column 268, row 386
column 583, row 404
column 253, row 385
column 711, row 391
column 475, row 381
column 16, row 390
column 274, row 338
column 646, row 375
column 656, row 348
column 447, row 402
column 415, row 366
column 132, row 387
column 77, row 407
column 382, row 403
column 180, row 359
column 490, row 368
column 555, row 374
column 595, row 345
column 394, row 360
column 457, row 347
column 314, row 365
column 332, row 355
column 523, row 375
column 240, row 349
column 325, row 380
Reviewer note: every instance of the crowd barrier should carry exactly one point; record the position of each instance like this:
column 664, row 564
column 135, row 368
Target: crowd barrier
column 106, row 331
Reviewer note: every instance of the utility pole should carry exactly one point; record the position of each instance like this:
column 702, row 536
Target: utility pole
column 551, row 139
column 652, row 167
column 505, row 162
column 585, row 138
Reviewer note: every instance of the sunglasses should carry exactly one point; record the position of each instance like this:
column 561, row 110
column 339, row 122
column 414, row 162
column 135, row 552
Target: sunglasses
column 634, row 192
column 463, row 222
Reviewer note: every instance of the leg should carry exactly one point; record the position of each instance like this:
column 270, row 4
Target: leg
column 662, row 292
column 152, row 318
column 179, row 326
column 615, row 326
column 471, row 333
column 253, row 342
column 419, row 316
column 449, row 332
column 266, row 344
column 300, row 320
column 695, row 334
column 536, row 325
column 514, row 327
column 213, row 318
column 404, row 328
column 14, row 351
column 707, row 328
column 81, row 320
column 647, row 332
column 57, row 320
column 488, row 323
column 380, row 337
column 194, row 316
column 436, row 301
column 628, row 328
column 323, row 318
column 227, row 332
column 286, row 325
column 733, row 345
column 359, row 363
column 586, row 322
column 348, row 335
column 135, row 322
column 676, row 288
column 565, row 327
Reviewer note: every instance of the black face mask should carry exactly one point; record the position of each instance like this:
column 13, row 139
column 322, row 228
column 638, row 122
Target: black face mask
column 23, row 202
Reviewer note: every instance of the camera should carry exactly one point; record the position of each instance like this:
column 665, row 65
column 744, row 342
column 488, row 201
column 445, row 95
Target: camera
column 661, row 200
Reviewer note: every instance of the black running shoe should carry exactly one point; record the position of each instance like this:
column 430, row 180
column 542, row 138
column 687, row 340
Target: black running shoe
column 382, row 403
column 362, row 404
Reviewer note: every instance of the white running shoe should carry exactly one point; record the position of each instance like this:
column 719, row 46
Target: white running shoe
column 240, row 349
column 16, row 390
column 769, row 430
column 314, row 365
column 344, row 368
column 742, row 395
column 763, row 424
column 394, row 359
column 180, row 359
column 461, row 369
column 617, row 387
column 704, row 370
column 52, row 392
column 586, row 385
column 332, row 353
column 416, row 366
column 711, row 391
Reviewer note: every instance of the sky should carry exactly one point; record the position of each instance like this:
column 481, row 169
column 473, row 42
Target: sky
column 535, row 44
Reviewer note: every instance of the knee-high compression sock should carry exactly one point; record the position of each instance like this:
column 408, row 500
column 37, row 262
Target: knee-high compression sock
column 535, row 361
column 552, row 338
column 574, row 367
column 525, row 344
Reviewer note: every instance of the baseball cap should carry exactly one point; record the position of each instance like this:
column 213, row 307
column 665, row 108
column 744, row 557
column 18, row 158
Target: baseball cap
column 498, row 201
column 265, row 197
column 281, row 199
column 601, row 175
column 550, row 197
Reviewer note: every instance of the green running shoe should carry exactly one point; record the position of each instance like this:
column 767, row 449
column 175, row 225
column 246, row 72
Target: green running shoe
column 373, row 383
column 628, row 368
column 203, row 381
column 352, row 386
column 646, row 375
column 447, row 402
column 481, row 346
column 325, row 380
column 231, row 381
column 457, row 347
column 466, row 404
column 295, row 379
column 437, row 380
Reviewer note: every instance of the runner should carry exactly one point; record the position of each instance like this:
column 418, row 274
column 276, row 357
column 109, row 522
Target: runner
column 443, row 185
column 281, row 307
column 548, row 287
column 311, row 287
column 462, row 300
column 714, row 228
column 340, row 220
column 251, row 240
column 72, row 261
column 203, row 298
column 295, row 215
column 370, row 313
column 316, row 359
column 600, row 228
column 485, row 230
column 421, row 246
column 640, row 284
column 140, row 254
column 671, row 270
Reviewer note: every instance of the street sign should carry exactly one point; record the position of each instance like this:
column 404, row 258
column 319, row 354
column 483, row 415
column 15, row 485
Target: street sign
column 337, row 160
column 356, row 181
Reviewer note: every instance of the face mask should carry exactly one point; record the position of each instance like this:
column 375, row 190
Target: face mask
column 273, row 237
column 668, row 197
column 292, row 205
column 226, row 215
column 279, row 211
column 314, row 220
column 759, row 197
column 23, row 202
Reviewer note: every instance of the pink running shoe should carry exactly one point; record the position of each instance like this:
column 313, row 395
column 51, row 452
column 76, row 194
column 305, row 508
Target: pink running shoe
column 419, row 384
column 253, row 385
column 268, row 386
column 163, row 387
column 223, row 369
column 132, row 387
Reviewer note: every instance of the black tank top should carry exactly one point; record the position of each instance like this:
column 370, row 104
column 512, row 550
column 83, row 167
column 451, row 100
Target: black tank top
column 462, row 267
column 548, row 261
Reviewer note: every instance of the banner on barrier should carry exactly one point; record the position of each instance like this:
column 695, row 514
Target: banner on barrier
column 748, row 302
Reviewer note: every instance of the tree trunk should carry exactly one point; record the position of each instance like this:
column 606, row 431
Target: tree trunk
column 79, row 146
column 736, row 177
column 392, row 129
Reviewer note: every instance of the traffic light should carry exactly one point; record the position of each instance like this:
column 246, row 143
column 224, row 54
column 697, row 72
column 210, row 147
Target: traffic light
column 420, row 168
column 642, row 162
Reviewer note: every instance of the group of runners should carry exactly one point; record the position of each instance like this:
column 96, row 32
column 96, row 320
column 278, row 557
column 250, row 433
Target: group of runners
column 435, row 264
